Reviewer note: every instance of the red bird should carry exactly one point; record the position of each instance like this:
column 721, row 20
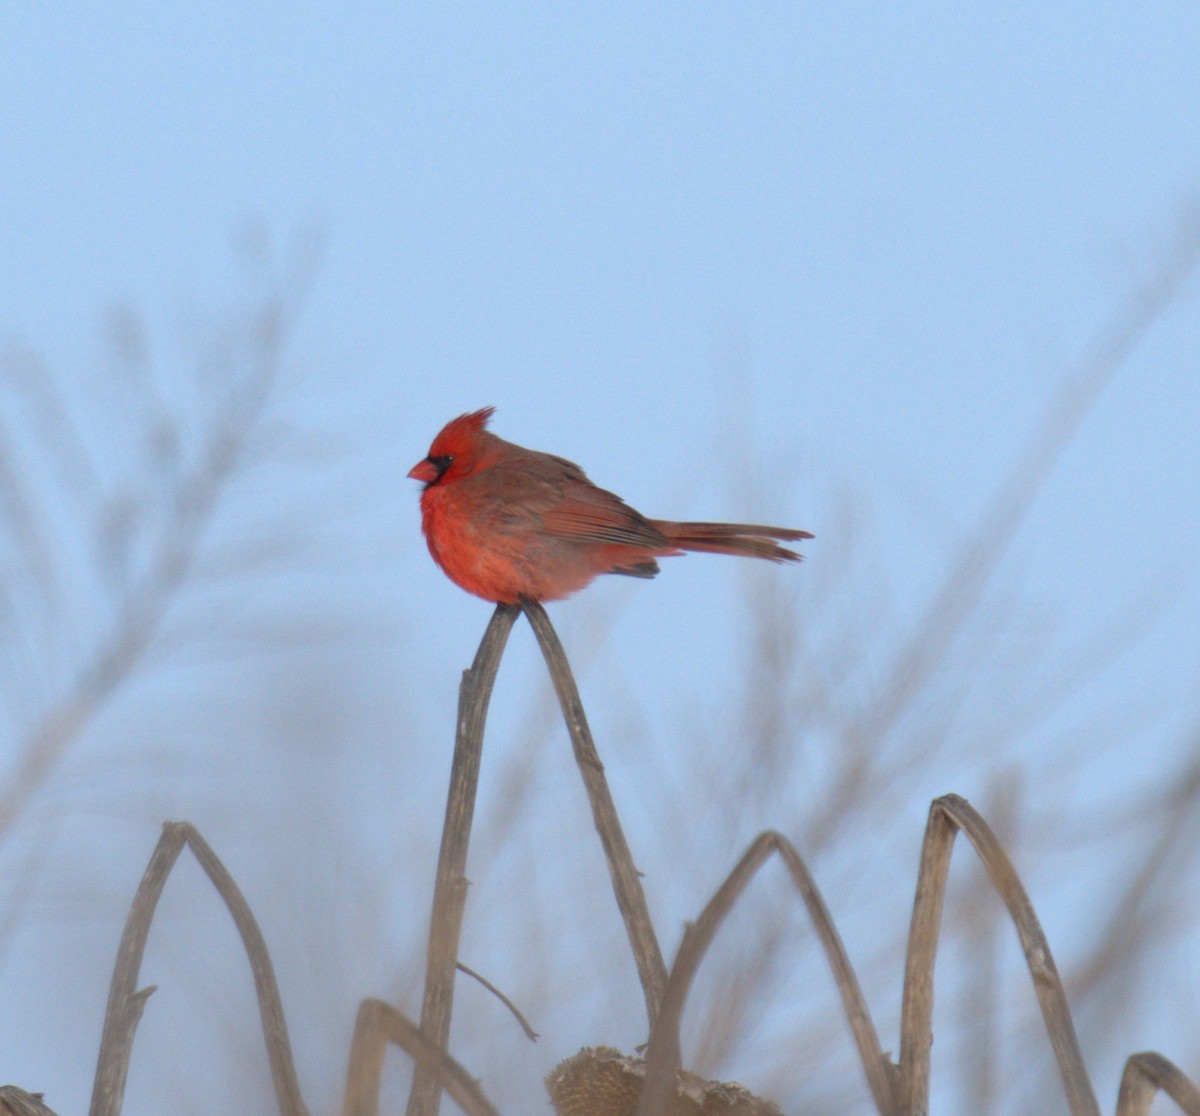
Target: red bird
column 511, row 524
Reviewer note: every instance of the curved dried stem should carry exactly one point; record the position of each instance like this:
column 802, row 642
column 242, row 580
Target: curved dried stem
column 1146, row 1075
column 377, row 1025
column 663, row 1056
column 450, row 887
column 626, row 880
column 126, row 1001
column 515, row 1011
column 266, row 988
column 947, row 816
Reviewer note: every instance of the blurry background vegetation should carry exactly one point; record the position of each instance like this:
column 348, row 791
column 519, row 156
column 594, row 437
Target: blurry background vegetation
column 737, row 267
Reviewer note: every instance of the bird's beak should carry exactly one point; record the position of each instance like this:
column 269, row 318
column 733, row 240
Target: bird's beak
column 424, row 471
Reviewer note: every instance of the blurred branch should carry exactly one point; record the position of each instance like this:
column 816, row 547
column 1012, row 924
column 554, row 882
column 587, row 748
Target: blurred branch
column 24, row 522
column 962, row 588
column 147, row 595
column 1132, row 928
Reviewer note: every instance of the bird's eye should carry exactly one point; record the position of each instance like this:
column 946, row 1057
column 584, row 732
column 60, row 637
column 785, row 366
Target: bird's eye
column 442, row 462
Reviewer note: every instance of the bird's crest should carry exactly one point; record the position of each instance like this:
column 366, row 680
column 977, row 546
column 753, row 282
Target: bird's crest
column 459, row 433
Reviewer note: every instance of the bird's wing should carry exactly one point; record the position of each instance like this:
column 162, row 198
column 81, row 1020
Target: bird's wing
column 590, row 514
column 553, row 497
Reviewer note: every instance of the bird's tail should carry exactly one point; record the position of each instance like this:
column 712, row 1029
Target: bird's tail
column 748, row 539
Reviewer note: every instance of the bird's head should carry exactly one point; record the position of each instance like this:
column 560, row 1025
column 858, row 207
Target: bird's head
column 456, row 449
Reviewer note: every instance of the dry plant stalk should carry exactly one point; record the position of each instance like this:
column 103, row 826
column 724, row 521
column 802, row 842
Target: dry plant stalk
column 906, row 1092
column 17, row 1102
column 126, row 1001
column 626, row 880
column 947, row 816
column 377, row 1025
column 450, row 888
column 902, row 1092
column 663, row 1059
column 657, row 1086
column 1148, row 1073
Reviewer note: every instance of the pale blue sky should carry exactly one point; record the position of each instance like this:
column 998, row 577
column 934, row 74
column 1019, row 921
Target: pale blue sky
column 909, row 219
column 841, row 248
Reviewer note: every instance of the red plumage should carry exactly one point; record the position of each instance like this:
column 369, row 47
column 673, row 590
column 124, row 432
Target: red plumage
column 507, row 523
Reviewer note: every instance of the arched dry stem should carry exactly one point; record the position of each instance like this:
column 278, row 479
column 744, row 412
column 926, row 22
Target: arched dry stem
column 450, row 886
column 663, row 1056
column 126, row 1001
column 947, row 816
column 1148, row 1074
column 377, row 1025
column 905, row 1093
column 626, row 881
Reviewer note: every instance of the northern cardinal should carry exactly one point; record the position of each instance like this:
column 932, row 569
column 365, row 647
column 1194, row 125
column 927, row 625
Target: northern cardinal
column 511, row 524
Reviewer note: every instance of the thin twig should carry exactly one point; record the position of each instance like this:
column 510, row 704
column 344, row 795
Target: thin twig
column 450, row 887
column 663, row 1055
column 377, row 1025
column 530, row 1033
column 626, row 881
column 947, row 816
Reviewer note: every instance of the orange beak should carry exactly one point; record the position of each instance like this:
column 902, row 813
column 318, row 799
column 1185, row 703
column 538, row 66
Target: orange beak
column 424, row 471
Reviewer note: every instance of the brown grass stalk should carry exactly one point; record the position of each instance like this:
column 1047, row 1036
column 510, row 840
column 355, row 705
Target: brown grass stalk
column 126, row 1001
column 450, row 886
column 626, row 880
column 17, row 1102
column 663, row 1057
column 947, row 816
column 1145, row 1076
column 377, row 1025
column 895, row 1094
